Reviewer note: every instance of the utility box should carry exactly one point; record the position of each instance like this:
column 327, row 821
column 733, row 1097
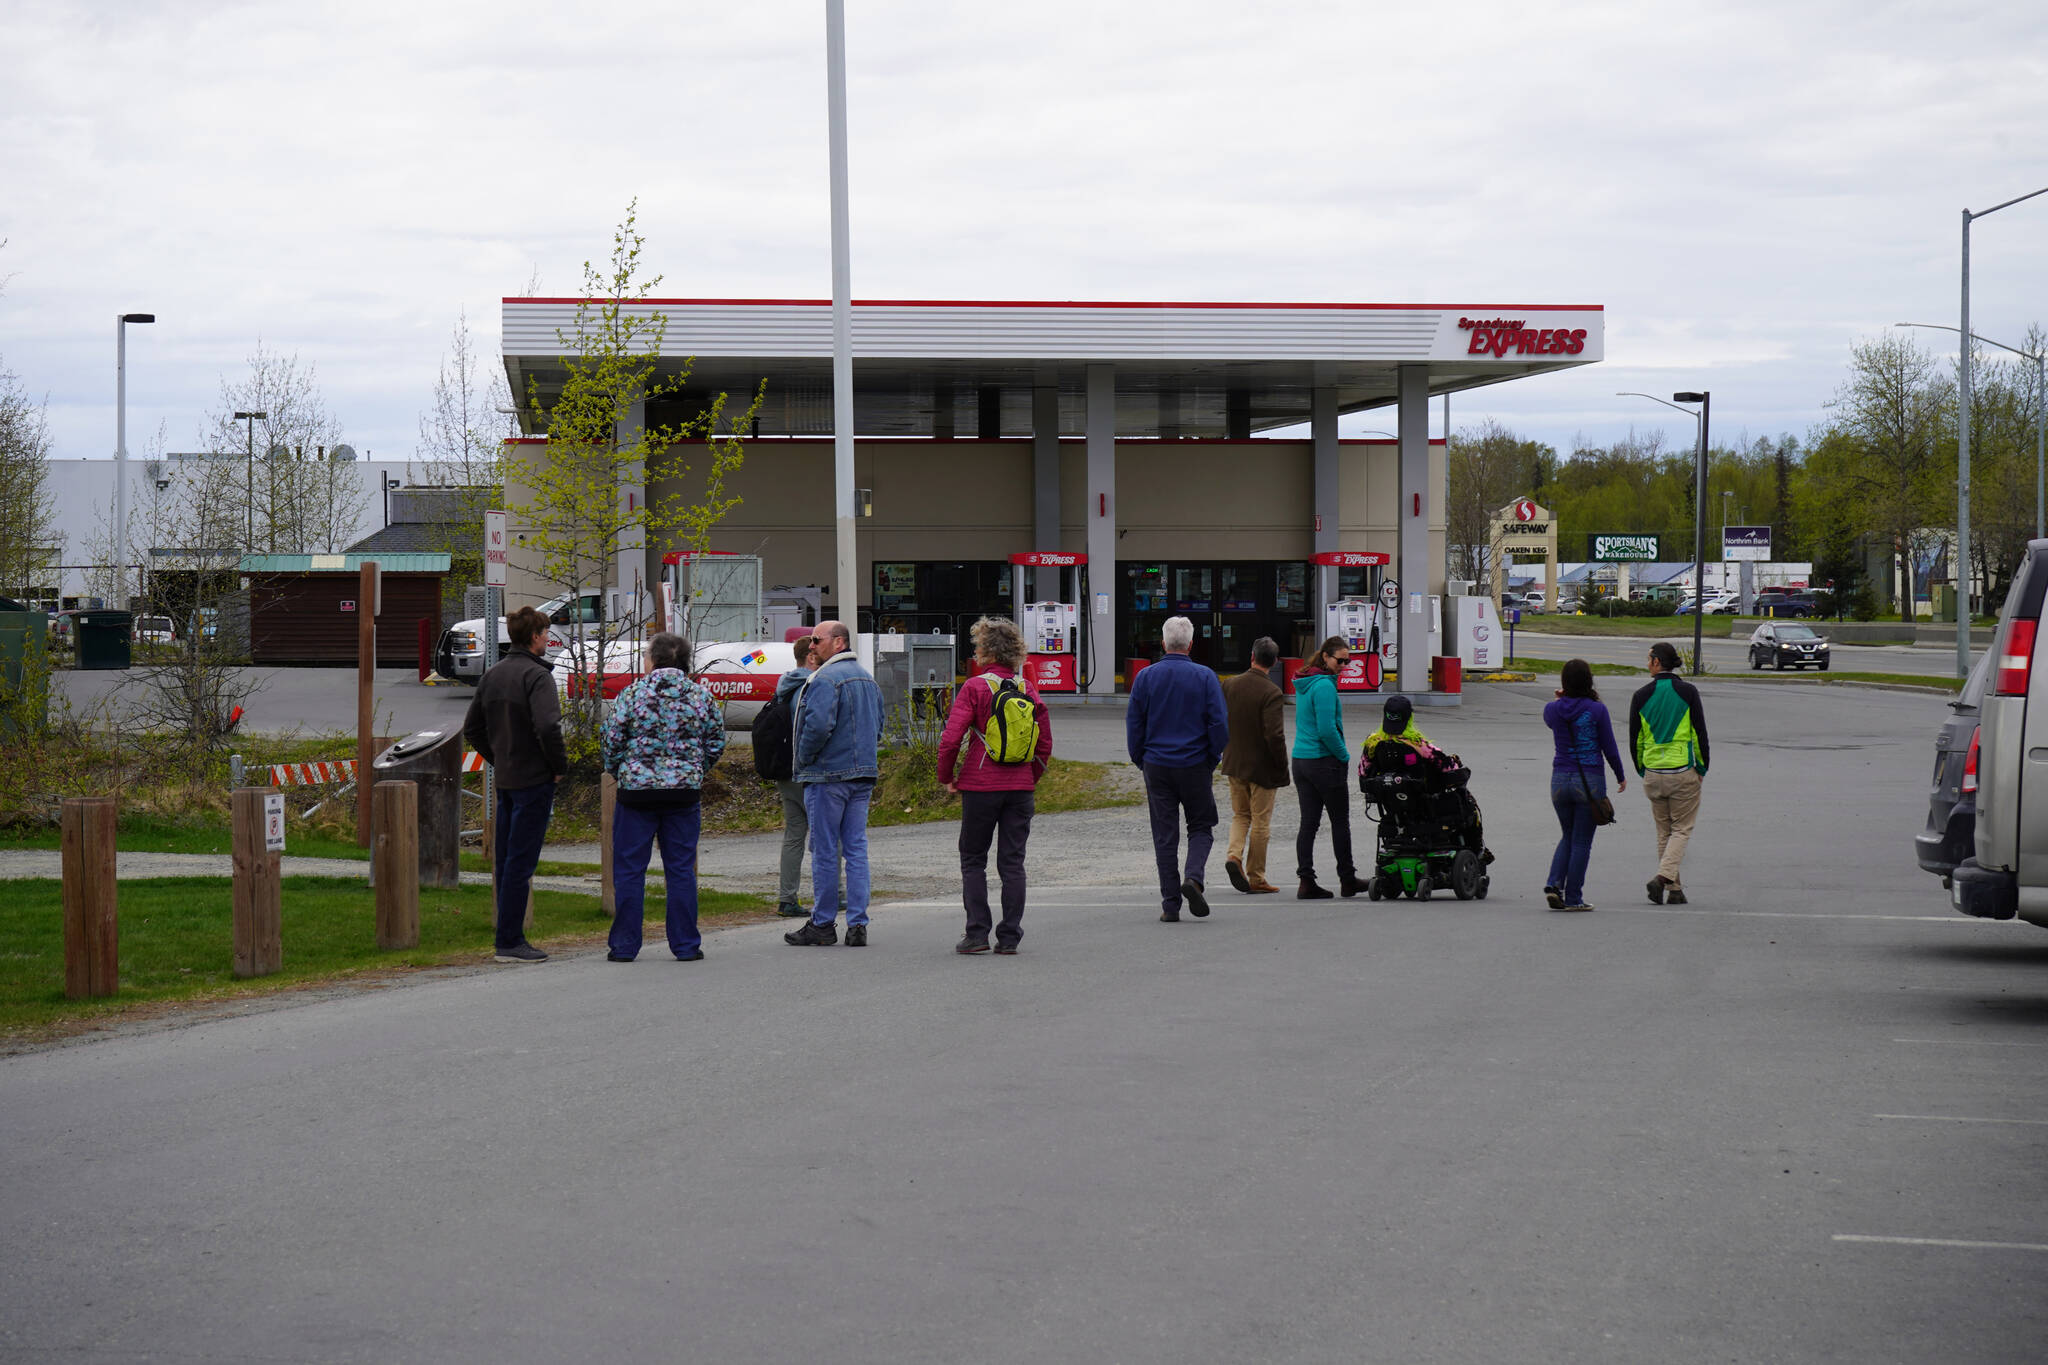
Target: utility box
column 433, row 760
column 915, row 673
column 24, row 670
column 105, row 638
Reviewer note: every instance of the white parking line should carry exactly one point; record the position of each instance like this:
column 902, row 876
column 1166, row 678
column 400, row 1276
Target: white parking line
column 1973, row 1042
column 1957, row 1118
column 1941, row 1242
column 1794, row 914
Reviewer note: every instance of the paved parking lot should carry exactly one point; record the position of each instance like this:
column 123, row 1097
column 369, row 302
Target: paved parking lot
column 1803, row 1119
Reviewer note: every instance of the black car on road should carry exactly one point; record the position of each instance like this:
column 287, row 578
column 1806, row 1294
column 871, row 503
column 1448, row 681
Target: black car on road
column 1785, row 644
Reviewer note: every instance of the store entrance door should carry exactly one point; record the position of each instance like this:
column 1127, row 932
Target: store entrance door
column 1231, row 604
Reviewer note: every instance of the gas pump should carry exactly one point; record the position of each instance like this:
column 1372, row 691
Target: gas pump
column 1362, row 620
column 1053, row 626
column 1357, row 620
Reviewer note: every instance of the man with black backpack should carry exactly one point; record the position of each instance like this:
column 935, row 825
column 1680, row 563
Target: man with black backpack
column 997, row 741
column 774, row 760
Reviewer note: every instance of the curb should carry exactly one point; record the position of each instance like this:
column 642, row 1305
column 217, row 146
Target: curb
column 1837, row 682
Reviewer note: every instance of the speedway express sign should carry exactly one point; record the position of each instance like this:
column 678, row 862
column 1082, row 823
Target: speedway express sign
column 1615, row 549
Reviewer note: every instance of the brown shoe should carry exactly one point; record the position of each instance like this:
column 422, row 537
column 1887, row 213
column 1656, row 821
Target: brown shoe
column 1309, row 891
column 1262, row 887
column 1235, row 871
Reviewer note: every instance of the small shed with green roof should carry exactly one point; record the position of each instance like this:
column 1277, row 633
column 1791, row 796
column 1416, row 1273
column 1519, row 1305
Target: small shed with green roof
column 303, row 609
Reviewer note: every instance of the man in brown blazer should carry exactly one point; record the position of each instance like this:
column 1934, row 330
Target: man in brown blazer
column 1255, row 761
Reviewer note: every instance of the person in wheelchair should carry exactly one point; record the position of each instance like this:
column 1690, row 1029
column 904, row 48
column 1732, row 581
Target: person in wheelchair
column 1431, row 832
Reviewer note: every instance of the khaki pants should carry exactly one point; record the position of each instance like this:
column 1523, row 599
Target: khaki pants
column 1251, row 825
column 1674, row 804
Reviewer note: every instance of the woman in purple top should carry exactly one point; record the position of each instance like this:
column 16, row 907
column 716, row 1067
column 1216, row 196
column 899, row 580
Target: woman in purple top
column 1578, row 722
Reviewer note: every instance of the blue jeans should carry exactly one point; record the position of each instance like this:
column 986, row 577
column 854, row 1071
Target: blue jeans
column 1170, row 795
column 634, row 833
column 522, row 827
column 838, row 812
column 1575, row 818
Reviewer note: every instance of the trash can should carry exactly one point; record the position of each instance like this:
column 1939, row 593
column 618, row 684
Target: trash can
column 433, row 760
column 1132, row 668
column 104, row 638
column 1446, row 674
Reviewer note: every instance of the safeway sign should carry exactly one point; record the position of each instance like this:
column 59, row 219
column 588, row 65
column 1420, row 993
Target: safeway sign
column 494, row 550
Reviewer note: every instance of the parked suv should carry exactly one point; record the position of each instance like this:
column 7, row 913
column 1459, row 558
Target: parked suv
column 1951, row 833
column 2009, row 875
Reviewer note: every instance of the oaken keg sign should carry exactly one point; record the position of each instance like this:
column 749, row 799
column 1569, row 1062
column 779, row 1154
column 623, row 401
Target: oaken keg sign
column 1621, row 549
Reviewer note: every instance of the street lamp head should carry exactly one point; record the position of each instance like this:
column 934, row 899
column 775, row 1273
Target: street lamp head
column 1688, row 398
column 258, row 416
column 138, row 317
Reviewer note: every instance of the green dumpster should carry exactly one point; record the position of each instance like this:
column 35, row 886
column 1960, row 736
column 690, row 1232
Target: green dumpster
column 24, row 670
column 104, row 638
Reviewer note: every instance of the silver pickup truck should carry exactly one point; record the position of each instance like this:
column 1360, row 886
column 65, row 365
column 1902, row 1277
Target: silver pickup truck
column 2008, row 877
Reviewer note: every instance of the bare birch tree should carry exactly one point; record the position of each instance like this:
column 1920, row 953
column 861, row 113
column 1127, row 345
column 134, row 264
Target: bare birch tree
column 295, row 498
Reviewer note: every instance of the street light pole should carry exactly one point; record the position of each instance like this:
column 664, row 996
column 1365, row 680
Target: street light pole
column 2040, row 359
column 1699, row 507
column 846, row 546
column 1963, row 451
column 121, row 453
column 249, row 491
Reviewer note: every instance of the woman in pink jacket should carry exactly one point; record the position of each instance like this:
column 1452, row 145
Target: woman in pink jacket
column 991, row 758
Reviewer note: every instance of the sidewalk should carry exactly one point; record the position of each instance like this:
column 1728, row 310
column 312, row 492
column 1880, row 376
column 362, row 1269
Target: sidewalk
column 49, row 862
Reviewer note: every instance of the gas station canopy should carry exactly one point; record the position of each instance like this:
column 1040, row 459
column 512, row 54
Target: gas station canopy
column 937, row 368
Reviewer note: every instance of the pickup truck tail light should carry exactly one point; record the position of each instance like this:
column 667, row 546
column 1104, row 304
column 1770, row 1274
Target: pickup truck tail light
column 2017, row 663
column 1970, row 763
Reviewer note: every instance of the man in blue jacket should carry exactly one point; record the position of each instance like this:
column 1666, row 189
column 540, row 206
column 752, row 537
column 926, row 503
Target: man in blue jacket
column 1176, row 730
column 837, row 758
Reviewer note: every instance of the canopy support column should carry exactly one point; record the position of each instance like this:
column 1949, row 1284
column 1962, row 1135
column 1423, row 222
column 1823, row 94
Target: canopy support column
column 1045, row 467
column 1412, row 565
column 1101, row 521
column 1323, row 435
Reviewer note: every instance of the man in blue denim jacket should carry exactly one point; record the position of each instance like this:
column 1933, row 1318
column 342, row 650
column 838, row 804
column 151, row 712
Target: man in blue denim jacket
column 837, row 758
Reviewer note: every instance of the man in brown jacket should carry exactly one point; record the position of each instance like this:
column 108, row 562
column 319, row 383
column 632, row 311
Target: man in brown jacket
column 1255, row 761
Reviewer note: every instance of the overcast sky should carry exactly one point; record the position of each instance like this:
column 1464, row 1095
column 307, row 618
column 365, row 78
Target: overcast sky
column 1749, row 189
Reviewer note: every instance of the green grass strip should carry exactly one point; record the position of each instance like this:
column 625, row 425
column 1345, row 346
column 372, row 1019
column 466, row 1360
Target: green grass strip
column 177, row 941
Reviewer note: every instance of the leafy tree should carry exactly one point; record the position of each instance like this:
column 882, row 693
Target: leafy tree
column 1488, row 467
column 1880, row 465
column 28, row 532
column 566, row 493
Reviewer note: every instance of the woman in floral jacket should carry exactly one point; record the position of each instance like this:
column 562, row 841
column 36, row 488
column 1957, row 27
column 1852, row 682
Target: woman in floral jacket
column 661, row 738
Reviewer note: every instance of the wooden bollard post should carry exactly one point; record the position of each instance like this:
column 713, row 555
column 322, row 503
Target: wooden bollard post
column 92, row 959
column 608, row 800
column 395, row 859
column 258, row 897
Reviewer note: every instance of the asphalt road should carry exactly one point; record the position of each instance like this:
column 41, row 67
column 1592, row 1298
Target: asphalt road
column 311, row 701
column 1732, row 656
column 1803, row 1119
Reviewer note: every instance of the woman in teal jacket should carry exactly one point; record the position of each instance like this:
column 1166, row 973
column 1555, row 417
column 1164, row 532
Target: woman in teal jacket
column 1321, row 759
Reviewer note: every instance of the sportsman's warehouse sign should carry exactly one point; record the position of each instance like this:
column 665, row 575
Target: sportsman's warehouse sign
column 1621, row 549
